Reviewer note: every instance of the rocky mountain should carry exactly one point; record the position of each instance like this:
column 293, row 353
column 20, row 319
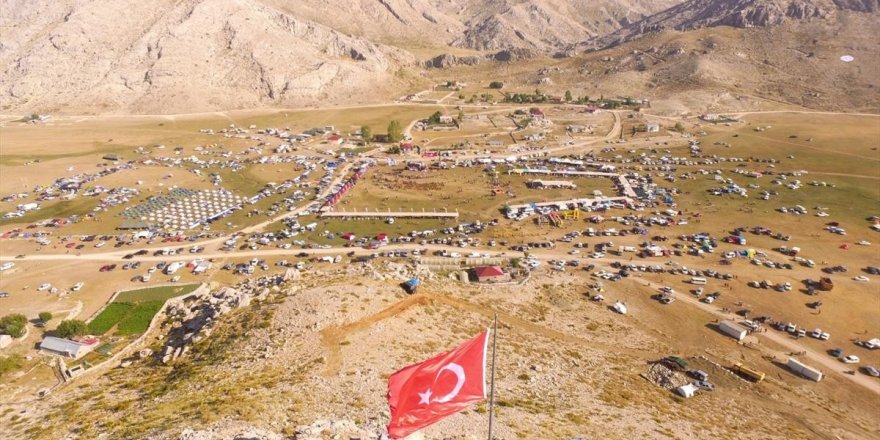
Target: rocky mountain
column 178, row 56
column 696, row 14
column 169, row 56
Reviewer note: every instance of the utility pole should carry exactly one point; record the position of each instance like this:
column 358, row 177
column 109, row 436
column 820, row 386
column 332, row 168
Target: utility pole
column 492, row 382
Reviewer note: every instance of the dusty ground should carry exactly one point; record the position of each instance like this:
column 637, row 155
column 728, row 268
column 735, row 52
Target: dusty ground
column 564, row 368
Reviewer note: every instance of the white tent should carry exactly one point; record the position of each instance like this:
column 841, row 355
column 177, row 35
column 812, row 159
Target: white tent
column 687, row 391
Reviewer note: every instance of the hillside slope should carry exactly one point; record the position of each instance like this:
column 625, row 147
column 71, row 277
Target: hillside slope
column 164, row 56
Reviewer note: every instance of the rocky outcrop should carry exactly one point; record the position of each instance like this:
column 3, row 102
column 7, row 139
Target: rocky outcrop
column 696, row 14
column 444, row 61
column 858, row 5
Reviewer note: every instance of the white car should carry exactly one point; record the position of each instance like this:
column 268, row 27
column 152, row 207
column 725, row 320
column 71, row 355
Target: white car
column 708, row 299
column 861, row 278
column 7, row 266
column 100, row 244
column 44, row 286
column 850, row 359
column 864, row 243
column 76, row 287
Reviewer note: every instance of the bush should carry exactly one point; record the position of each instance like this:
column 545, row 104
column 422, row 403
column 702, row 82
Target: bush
column 70, row 328
column 496, row 85
column 45, row 316
column 10, row 363
column 13, row 325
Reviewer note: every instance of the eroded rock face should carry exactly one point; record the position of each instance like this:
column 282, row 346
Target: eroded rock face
column 859, row 5
column 444, row 61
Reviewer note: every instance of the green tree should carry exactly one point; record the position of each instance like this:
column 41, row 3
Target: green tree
column 395, row 134
column 460, row 116
column 367, row 133
column 679, row 127
column 434, row 118
column 45, row 316
column 496, row 85
column 13, row 325
column 70, row 328
column 568, row 96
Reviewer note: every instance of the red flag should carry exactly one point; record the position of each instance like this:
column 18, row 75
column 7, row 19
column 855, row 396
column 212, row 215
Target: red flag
column 422, row 394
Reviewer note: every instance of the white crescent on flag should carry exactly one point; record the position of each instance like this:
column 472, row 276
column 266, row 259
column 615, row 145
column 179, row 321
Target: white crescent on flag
column 459, row 374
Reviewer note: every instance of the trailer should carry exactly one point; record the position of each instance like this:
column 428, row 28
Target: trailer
column 733, row 330
column 804, row 370
column 751, row 373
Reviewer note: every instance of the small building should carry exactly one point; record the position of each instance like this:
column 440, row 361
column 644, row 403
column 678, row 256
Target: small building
column 65, row 347
column 652, row 128
column 491, row 274
column 446, row 119
column 536, row 114
column 335, row 139
column 5, row 340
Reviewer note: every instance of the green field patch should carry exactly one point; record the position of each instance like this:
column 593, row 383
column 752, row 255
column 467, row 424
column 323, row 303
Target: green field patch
column 138, row 319
column 132, row 311
column 109, row 317
column 160, row 293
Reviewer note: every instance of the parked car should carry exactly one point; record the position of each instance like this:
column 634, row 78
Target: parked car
column 850, row 359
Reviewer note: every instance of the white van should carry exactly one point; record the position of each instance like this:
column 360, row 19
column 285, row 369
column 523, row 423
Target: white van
column 699, row 281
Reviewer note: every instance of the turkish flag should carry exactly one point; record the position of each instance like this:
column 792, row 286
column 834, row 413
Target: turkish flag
column 422, row 394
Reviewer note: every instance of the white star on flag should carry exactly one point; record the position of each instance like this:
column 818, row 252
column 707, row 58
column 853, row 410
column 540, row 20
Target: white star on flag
column 425, row 398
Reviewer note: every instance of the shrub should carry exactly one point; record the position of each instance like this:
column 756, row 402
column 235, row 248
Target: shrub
column 13, row 325
column 70, row 328
column 10, row 363
column 496, row 85
column 45, row 316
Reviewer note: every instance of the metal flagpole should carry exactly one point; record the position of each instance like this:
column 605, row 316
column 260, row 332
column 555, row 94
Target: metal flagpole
column 492, row 383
